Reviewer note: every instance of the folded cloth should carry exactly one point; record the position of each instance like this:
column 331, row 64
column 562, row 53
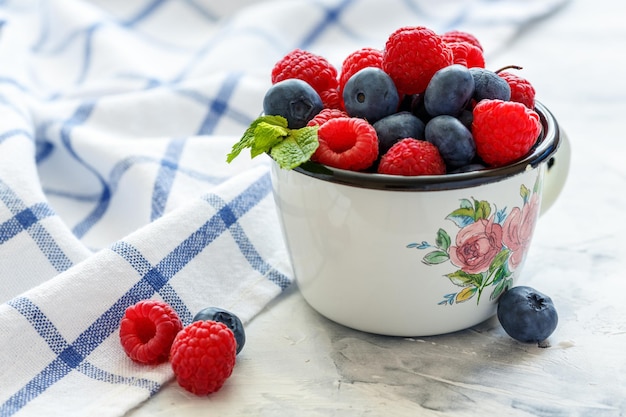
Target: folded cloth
column 115, row 122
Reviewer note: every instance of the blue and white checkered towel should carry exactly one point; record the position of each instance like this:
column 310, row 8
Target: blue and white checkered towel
column 115, row 121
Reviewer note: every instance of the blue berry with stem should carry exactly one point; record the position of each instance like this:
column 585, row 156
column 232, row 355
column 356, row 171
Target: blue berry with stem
column 489, row 85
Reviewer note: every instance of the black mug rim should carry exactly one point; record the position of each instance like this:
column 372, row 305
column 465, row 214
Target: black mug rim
column 548, row 143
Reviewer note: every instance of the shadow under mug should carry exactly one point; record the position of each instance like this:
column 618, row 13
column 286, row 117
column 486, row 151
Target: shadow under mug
column 416, row 256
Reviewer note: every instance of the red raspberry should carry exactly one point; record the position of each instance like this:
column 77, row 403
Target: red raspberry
column 465, row 53
column 522, row 90
column 347, row 143
column 412, row 55
column 312, row 68
column 357, row 60
column 504, row 131
column 203, row 356
column 325, row 115
column 411, row 157
column 461, row 36
column 147, row 331
column 331, row 99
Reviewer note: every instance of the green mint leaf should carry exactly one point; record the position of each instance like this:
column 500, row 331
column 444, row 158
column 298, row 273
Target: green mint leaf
column 249, row 137
column 296, row 148
column 266, row 136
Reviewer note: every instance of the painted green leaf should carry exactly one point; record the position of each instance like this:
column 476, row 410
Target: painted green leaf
column 443, row 240
column 524, row 192
column 466, row 294
column 463, row 279
column 500, row 288
column 499, row 261
column 462, row 216
column 501, row 274
column 465, row 203
column 463, row 211
column 482, row 210
column 436, row 257
column 537, row 184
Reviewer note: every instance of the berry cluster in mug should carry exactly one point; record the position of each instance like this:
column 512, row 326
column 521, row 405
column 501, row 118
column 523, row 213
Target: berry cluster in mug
column 423, row 105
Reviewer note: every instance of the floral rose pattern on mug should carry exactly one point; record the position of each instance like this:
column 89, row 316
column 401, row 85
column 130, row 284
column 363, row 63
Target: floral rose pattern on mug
column 489, row 245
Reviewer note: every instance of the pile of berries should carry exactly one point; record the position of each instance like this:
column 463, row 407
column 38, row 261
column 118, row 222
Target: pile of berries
column 424, row 105
column 202, row 354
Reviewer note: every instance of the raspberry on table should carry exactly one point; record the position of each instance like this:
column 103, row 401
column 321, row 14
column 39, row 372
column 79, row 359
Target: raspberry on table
column 504, row 131
column 147, row 331
column 347, row 143
column 461, row 36
column 466, row 54
column 410, row 157
column 412, row 55
column 522, row 90
column 357, row 60
column 203, row 356
column 316, row 70
column 325, row 115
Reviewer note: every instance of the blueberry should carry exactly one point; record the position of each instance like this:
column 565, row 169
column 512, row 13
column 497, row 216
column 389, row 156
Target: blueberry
column 370, row 94
column 466, row 117
column 527, row 315
column 449, row 91
column 489, row 85
column 454, row 141
column 293, row 99
column 226, row 317
column 392, row 128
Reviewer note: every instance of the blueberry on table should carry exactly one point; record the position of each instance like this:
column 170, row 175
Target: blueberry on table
column 527, row 315
column 226, row 317
column 370, row 94
column 293, row 99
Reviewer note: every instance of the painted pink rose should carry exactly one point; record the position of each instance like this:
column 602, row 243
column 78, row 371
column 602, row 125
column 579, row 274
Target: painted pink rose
column 518, row 230
column 476, row 246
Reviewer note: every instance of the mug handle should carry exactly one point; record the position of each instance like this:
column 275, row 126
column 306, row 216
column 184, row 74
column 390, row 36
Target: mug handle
column 556, row 173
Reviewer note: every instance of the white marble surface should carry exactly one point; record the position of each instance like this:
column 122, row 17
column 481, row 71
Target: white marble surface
column 297, row 363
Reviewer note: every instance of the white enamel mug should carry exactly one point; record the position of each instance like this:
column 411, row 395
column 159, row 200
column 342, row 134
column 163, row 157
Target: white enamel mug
column 416, row 256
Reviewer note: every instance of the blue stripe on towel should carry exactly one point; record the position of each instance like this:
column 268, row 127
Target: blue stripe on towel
column 165, row 177
column 28, row 219
column 233, row 211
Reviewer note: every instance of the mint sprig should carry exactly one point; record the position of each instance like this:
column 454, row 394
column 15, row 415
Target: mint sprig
column 270, row 134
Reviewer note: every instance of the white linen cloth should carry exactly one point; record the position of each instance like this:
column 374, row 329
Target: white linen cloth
column 115, row 121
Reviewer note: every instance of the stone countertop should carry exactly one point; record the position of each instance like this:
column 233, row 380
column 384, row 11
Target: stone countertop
column 297, row 363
